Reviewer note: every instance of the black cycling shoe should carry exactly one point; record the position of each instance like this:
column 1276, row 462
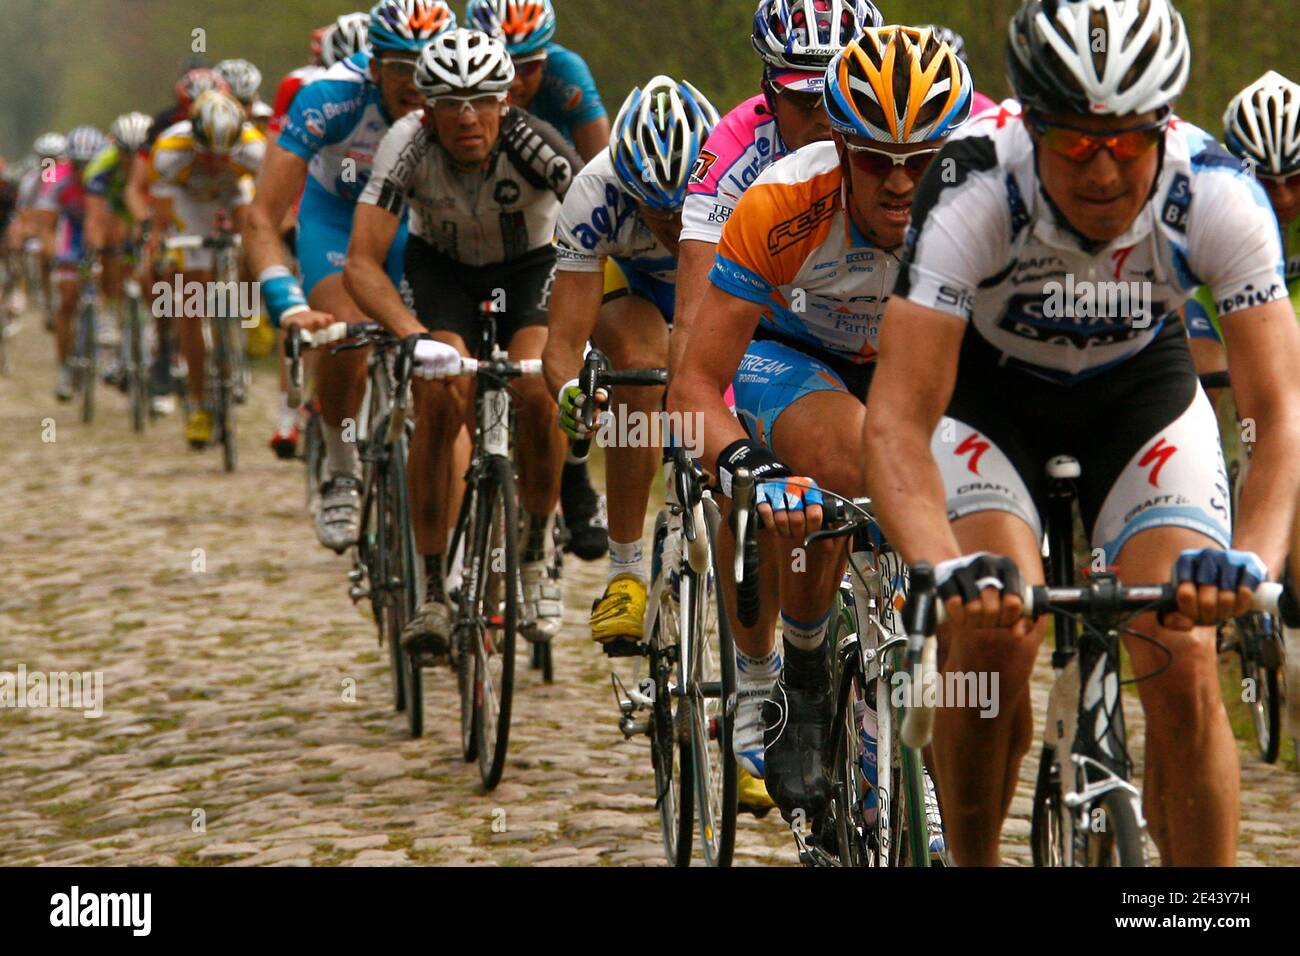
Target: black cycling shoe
column 584, row 515
column 797, row 723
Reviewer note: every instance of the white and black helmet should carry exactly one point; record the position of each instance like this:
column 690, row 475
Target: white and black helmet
column 242, row 77
column 461, row 61
column 1097, row 57
column 131, row 130
column 345, row 37
column 1262, row 123
column 83, row 143
column 50, row 145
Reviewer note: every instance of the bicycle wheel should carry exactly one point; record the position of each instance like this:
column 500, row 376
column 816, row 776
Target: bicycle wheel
column 137, row 382
column 496, row 552
column 1266, row 708
column 670, row 738
column 845, row 823
column 1115, row 839
column 913, row 833
column 712, row 692
column 87, row 349
column 381, row 555
column 226, row 369
column 313, row 444
column 466, row 630
column 404, row 583
column 1049, row 837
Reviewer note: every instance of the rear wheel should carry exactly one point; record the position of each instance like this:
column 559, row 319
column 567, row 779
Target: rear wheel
column 497, row 552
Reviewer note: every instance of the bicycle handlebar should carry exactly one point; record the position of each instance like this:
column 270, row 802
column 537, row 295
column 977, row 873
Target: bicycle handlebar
column 224, row 240
column 595, row 380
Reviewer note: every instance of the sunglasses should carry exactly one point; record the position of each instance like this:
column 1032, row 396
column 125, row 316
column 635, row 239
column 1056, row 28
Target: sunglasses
column 1080, row 145
column 404, row 69
column 449, row 107
column 802, row 101
column 877, row 162
column 529, row 66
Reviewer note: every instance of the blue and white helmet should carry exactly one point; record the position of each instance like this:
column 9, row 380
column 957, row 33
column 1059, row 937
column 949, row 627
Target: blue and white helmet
column 405, row 26
column 656, row 138
column 805, row 34
column 525, row 25
column 84, row 142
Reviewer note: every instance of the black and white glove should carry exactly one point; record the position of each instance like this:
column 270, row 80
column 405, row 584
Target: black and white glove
column 967, row 576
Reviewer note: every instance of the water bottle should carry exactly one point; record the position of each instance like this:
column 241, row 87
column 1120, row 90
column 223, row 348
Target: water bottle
column 865, row 717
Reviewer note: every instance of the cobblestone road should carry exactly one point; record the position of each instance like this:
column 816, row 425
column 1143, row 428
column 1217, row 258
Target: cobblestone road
column 226, row 639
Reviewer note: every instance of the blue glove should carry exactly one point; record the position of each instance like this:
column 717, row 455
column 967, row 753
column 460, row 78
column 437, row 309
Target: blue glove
column 1226, row 570
column 788, row 493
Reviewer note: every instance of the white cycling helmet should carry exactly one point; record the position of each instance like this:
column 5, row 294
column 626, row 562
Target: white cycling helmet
column 656, row 139
column 83, row 143
column 242, row 77
column 461, row 61
column 50, row 145
column 217, row 121
column 1262, row 123
column 346, row 36
column 131, row 130
column 1097, row 57
column 805, row 34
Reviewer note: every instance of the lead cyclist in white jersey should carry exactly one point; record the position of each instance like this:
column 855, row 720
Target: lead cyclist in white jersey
column 990, row 322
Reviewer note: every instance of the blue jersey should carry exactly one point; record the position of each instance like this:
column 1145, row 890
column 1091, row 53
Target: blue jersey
column 567, row 97
column 335, row 124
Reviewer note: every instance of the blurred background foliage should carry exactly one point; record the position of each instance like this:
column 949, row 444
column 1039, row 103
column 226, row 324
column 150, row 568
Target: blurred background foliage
column 79, row 61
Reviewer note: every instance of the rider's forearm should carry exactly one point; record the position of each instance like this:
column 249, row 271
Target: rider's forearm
column 372, row 290
column 694, row 260
column 907, row 489
column 1268, row 496
column 262, row 240
column 695, row 393
column 575, row 309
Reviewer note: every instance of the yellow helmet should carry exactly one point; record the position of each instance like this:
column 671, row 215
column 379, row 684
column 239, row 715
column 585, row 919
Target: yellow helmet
column 217, row 120
column 899, row 85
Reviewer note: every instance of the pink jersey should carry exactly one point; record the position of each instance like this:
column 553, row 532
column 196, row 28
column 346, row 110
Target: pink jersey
column 740, row 147
column 981, row 103
column 64, row 193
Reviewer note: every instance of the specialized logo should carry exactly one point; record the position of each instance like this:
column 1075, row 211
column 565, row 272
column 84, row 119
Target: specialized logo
column 786, row 234
column 703, row 163
column 977, row 446
column 1157, row 454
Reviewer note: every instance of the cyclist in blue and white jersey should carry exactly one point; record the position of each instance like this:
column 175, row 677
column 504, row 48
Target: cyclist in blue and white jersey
column 327, row 145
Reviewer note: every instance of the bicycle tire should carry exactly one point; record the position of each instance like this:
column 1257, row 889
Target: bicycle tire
column 313, row 444
column 379, row 578
column 672, row 763
column 1048, row 831
column 1266, row 708
column 137, row 382
column 848, row 785
column 403, row 581
column 87, row 363
column 226, row 414
column 462, row 640
column 711, row 715
column 914, row 829
column 497, row 599
column 1120, row 839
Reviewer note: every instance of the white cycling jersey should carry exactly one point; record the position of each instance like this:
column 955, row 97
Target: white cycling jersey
column 599, row 219
column 986, row 246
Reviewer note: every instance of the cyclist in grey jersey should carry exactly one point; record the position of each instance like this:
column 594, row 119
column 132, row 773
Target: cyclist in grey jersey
column 469, row 245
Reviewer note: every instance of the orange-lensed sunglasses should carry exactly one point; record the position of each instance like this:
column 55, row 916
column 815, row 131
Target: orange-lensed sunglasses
column 1080, row 145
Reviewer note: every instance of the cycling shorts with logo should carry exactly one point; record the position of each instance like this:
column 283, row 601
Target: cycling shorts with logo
column 1144, row 434
column 324, row 228
column 448, row 294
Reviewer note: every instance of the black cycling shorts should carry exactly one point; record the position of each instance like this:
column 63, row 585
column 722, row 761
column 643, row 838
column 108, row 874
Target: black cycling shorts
column 448, row 295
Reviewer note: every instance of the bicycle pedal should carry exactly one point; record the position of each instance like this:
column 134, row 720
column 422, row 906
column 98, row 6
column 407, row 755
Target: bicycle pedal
column 620, row 647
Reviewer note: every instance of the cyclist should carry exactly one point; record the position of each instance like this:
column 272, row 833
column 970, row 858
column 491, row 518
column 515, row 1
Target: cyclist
column 795, row 41
column 324, row 154
column 48, row 150
column 483, row 182
column 192, row 84
column 624, row 211
column 297, row 79
column 792, row 317
column 113, row 211
column 555, row 84
column 244, row 80
column 61, row 216
column 984, row 375
column 202, row 168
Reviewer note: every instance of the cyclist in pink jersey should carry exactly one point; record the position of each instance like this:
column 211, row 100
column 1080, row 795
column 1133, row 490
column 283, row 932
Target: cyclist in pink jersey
column 796, row 39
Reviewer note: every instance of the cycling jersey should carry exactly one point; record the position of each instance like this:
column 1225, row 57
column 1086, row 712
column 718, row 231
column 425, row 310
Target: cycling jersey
column 986, row 247
column 792, row 247
column 980, row 103
column 567, row 98
column 599, row 220
column 163, row 120
column 496, row 213
column 66, row 195
column 288, row 89
column 740, row 147
column 106, row 177
column 335, row 125
column 29, row 188
column 1203, row 317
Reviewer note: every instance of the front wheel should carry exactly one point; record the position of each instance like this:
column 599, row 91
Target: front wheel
column 496, row 553
column 89, row 369
column 1114, row 838
column 1260, row 674
column 1049, row 840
